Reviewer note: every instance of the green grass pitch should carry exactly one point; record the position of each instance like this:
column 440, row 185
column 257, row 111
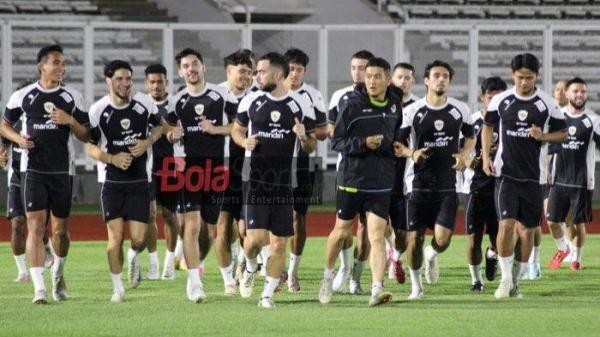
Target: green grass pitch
column 562, row 303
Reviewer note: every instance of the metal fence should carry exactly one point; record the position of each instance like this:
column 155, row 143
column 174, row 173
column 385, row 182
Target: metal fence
column 476, row 51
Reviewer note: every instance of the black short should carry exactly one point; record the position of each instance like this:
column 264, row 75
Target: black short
column 303, row 193
column 130, row 201
column 198, row 192
column 348, row 204
column 168, row 200
column 519, row 200
column 14, row 207
column 398, row 211
column 51, row 192
column 562, row 199
column 233, row 197
column 269, row 208
column 425, row 211
column 480, row 214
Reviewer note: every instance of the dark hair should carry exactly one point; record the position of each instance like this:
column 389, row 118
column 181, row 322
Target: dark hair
column 527, row 61
column 237, row 58
column 111, row 67
column 277, row 60
column 43, row 53
column 245, row 51
column 297, row 56
column 379, row 62
column 575, row 80
column 494, row 83
column 156, row 68
column 363, row 55
column 406, row 66
column 187, row 52
column 438, row 63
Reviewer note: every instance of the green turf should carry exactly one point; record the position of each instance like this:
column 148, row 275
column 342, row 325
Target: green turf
column 562, row 303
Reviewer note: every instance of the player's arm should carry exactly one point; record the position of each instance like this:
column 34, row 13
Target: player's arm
column 3, row 155
column 211, row 129
column 238, row 133
column 8, row 131
column 60, row 117
column 121, row 160
column 487, row 136
column 141, row 145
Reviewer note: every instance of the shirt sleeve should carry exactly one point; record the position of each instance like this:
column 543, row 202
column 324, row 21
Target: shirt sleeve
column 13, row 110
column 242, row 116
column 492, row 117
column 556, row 120
column 79, row 112
column 343, row 142
column 172, row 116
column 466, row 128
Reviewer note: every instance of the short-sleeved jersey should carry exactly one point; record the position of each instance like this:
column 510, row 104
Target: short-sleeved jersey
column 519, row 156
column 315, row 98
column 575, row 161
column 14, row 163
column 475, row 180
column 116, row 128
column 338, row 95
column 215, row 104
column 271, row 120
column 439, row 129
column 400, row 166
column 411, row 99
column 53, row 151
column 162, row 148
column 235, row 151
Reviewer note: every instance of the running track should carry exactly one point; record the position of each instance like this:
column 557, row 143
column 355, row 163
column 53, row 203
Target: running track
column 91, row 227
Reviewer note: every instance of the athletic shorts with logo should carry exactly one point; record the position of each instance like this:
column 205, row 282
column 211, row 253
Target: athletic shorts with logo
column 269, row 207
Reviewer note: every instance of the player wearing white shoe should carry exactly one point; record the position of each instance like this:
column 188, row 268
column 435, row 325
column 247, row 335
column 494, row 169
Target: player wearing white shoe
column 122, row 139
column 365, row 129
column 238, row 68
column 480, row 214
column 350, row 272
column 156, row 84
column 53, row 114
column 270, row 124
column 528, row 119
column 573, row 174
column 298, row 62
column 403, row 77
column 432, row 126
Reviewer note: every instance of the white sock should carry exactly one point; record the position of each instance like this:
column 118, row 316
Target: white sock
column 271, row 284
column 518, row 269
column 294, row 262
column 179, row 248
column 201, row 264
column 49, row 246
column 578, row 253
column 193, row 276
column 235, row 249
column 21, row 264
column 346, row 258
column 491, row 254
column 475, row 271
column 241, row 256
column 397, row 255
column 227, row 274
column 329, row 273
column 169, row 259
column 388, row 243
column 37, row 277
column 153, row 257
column 506, row 267
column 430, row 253
column 117, row 283
column 376, row 287
column 562, row 243
column 131, row 254
column 265, row 252
column 58, row 266
column 415, row 280
column 358, row 269
column 251, row 265
column 535, row 254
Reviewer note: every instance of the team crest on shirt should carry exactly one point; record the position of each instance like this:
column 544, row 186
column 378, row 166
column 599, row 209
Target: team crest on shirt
column 439, row 124
column 572, row 130
column 522, row 114
column 199, row 108
column 48, row 106
column 275, row 115
column 125, row 123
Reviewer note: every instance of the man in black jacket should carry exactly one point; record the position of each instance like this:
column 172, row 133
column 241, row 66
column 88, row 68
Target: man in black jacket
column 364, row 133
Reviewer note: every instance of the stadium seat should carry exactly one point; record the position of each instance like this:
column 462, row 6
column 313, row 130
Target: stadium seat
column 473, row 13
column 30, row 7
column 524, row 13
column 7, row 7
column 498, row 12
column 447, row 12
column 548, row 13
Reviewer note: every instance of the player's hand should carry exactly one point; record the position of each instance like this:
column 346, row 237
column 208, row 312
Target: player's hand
column 207, row 126
column 536, row 132
column 460, row 161
column 398, row 147
column 60, row 117
column 26, row 143
column 420, row 156
column 299, row 130
column 374, row 142
column 3, row 156
column 176, row 133
column 250, row 143
column 121, row 160
column 474, row 163
column 140, row 147
column 488, row 166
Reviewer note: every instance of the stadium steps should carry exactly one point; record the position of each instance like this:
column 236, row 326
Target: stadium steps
column 133, row 10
